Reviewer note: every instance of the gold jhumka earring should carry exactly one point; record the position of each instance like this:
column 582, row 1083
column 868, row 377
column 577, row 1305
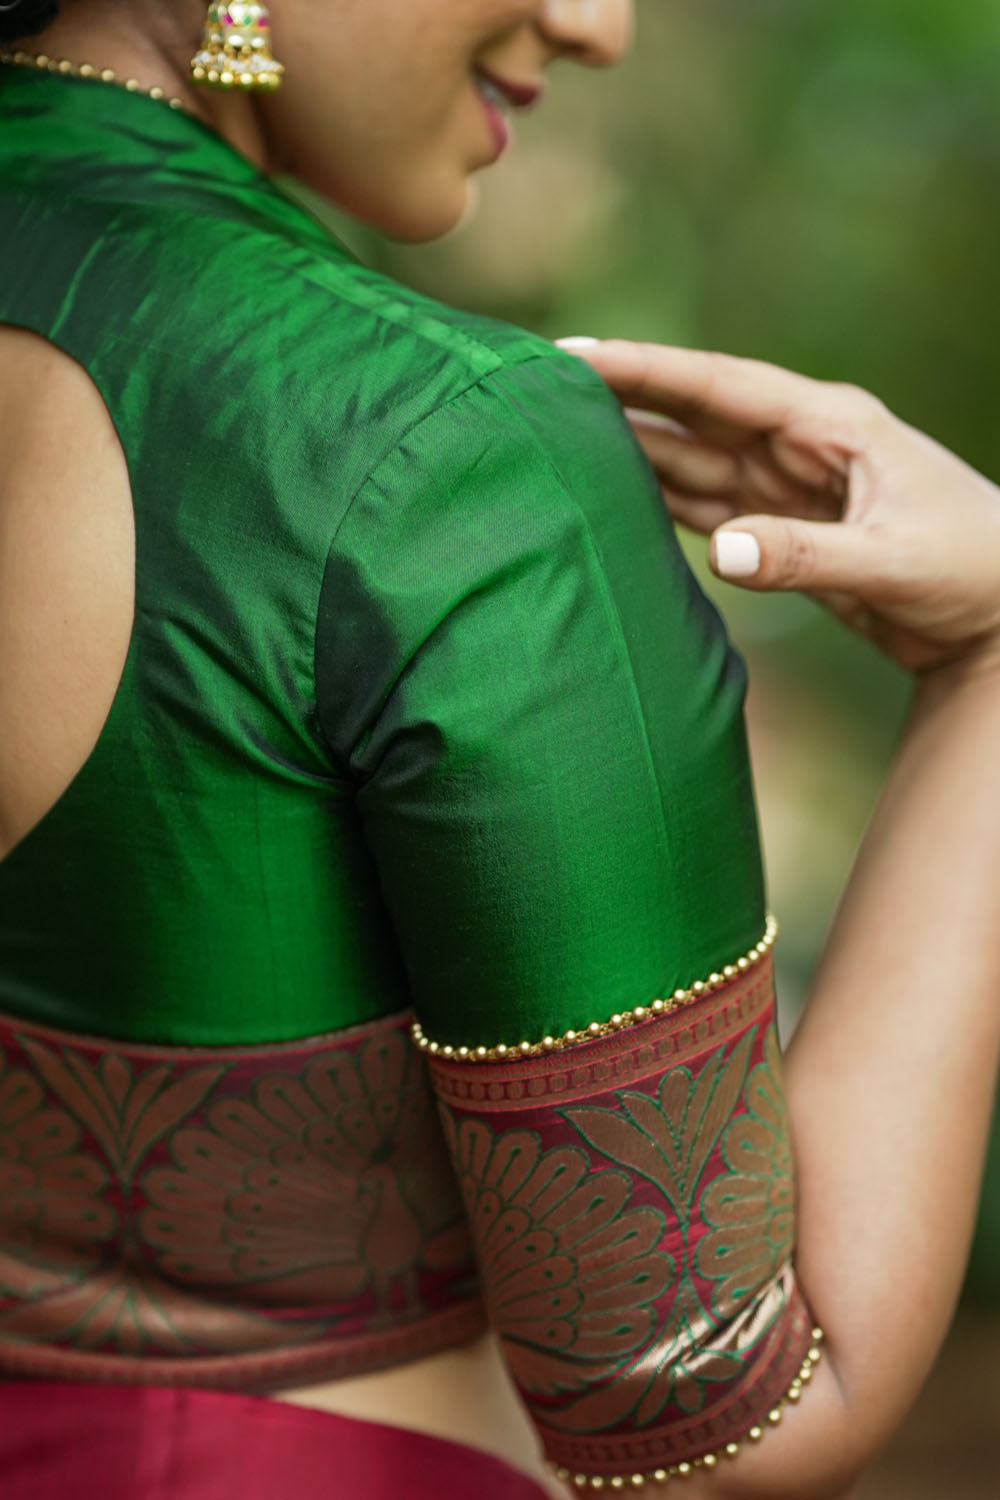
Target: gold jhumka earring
column 235, row 49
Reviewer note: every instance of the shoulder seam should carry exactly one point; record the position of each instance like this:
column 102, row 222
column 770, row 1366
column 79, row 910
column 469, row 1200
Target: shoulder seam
column 369, row 478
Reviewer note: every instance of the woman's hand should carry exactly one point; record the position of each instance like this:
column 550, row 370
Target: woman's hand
column 834, row 495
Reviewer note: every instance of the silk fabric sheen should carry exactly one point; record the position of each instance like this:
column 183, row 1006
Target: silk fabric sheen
column 130, row 1444
column 252, row 1218
column 422, row 704
column 633, row 1205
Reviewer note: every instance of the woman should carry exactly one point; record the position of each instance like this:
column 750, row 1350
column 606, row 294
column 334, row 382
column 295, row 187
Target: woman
column 354, row 668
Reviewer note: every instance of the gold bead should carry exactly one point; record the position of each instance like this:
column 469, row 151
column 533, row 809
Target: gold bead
column 660, row 1476
column 42, row 61
column 581, row 1481
column 176, row 103
column 710, row 1460
column 198, row 74
column 246, row 80
column 561, row 1474
column 684, row 1470
column 774, row 1415
column 619, row 1020
column 156, row 93
column 617, row 1482
column 65, row 66
column 814, row 1356
column 434, row 1047
column 447, row 1050
column 817, row 1335
column 806, row 1374
column 795, row 1394
column 132, row 84
column 638, row 1480
column 755, row 1434
column 596, row 1482
column 732, row 1449
column 107, row 75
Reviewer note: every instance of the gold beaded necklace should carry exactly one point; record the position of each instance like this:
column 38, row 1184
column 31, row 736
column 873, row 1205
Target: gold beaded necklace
column 46, row 64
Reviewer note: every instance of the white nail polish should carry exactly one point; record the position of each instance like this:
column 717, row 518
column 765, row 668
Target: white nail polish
column 571, row 344
column 737, row 554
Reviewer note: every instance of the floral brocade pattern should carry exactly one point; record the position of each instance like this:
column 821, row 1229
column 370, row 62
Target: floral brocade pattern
column 245, row 1217
column 634, row 1225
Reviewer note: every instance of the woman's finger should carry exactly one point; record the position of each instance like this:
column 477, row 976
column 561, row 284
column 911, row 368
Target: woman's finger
column 771, row 552
column 690, row 384
column 749, row 478
column 702, row 516
column 685, row 462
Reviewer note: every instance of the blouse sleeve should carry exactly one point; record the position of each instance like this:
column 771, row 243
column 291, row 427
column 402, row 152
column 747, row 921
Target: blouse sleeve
column 543, row 718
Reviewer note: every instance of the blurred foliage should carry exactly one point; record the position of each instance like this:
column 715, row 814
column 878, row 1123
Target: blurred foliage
column 814, row 182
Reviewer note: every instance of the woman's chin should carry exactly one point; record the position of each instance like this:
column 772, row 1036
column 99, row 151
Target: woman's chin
column 413, row 215
column 429, row 216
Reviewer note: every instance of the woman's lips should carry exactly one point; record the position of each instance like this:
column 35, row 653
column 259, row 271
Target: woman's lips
column 500, row 128
column 521, row 95
column 497, row 95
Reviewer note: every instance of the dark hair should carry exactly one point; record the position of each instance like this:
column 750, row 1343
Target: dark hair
column 25, row 17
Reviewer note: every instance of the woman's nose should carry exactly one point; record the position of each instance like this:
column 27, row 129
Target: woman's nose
column 595, row 32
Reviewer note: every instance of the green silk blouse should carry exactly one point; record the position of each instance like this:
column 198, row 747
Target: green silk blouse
column 422, row 704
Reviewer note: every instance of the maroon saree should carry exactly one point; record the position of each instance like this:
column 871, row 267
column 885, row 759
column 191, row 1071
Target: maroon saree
column 64, row 1441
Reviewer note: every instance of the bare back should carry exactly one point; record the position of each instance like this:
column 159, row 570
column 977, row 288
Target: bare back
column 67, row 558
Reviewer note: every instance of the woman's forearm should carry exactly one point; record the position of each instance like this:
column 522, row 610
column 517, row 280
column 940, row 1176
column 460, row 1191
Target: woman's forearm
column 891, row 1074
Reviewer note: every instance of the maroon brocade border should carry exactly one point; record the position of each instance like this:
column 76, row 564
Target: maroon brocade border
column 632, row 1202
column 614, row 1061
column 247, row 1217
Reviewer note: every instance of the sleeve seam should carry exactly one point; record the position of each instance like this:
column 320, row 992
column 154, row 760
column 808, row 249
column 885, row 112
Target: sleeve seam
column 370, row 477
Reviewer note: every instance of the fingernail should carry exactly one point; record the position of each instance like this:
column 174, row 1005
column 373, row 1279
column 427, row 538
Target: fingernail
column 737, row 554
column 580, row 342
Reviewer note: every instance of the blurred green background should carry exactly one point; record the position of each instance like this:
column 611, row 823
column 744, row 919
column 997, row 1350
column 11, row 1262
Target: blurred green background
column 814, row 182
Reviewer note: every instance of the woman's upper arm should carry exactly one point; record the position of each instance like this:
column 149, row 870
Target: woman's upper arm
column 543, row 714
column 544, row 719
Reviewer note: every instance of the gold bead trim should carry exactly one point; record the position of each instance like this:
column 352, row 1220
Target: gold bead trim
column 616, row 1482
column 46, row 64
column 676, row 1001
